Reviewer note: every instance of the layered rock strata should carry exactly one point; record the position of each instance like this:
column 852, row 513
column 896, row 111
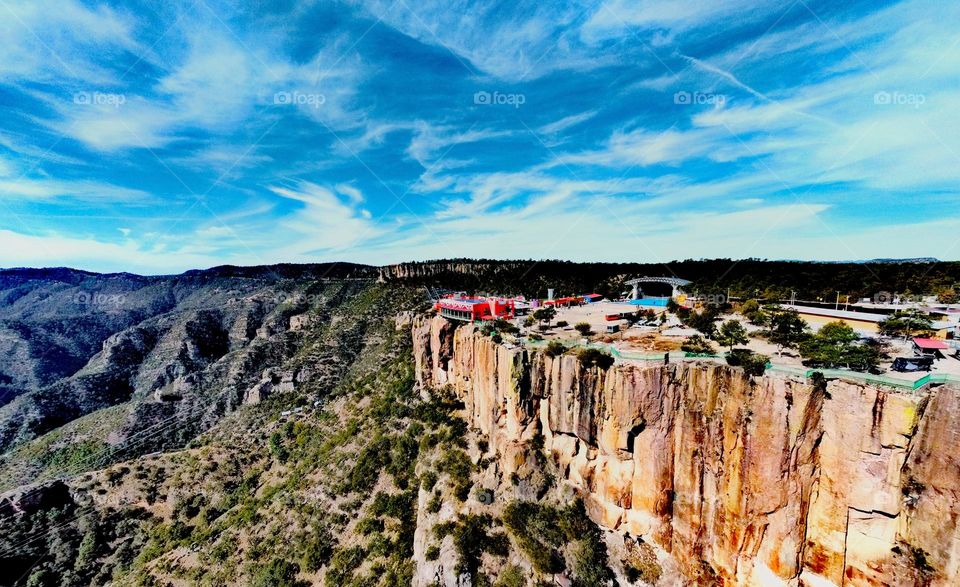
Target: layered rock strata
column 757, row 480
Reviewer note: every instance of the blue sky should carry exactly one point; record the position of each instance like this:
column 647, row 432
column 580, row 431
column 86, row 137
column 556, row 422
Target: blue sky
column 157, row 137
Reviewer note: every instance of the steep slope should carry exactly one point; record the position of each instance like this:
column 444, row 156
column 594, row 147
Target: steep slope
column 229, row 496
column 174, row 374
column 52, row 321
column 752, row 481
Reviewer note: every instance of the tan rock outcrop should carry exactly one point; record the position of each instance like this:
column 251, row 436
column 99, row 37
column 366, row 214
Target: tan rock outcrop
column 767, row 480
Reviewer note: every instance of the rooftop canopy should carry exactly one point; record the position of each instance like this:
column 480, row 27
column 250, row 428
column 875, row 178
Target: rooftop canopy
column 674, row 281
column 930, row 344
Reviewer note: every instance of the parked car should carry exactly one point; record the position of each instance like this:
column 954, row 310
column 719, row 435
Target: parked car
column 908, row 364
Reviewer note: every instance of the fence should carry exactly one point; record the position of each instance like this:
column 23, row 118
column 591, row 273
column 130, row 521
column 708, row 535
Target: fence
column 609, row 348
column 932, row 378
column 901, row 384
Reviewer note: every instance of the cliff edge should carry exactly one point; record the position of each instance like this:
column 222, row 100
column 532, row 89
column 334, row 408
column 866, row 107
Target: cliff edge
column 756, row 480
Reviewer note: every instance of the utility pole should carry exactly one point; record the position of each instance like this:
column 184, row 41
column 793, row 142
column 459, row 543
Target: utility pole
column 837, row 306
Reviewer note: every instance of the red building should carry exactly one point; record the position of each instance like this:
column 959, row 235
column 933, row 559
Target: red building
column 470, row 309
column 565, row 302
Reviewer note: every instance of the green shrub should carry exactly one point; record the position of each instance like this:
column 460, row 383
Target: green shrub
column 752, row 363
column 590, row 563
column 370, row 462
column 555, row 349
column 472, row 537
column 394, row 505
column 541, row 530
column 344, row 562
column 277, row 447
column 428, row 480
column 456, row 463
column 697, row 344
column 317, row 550
column 511, row 576
column 224, row 548
column 435, row 503
column 505, row 326
column 278, row 573
column 583, row 328
column 595, row 358
column 641, row 564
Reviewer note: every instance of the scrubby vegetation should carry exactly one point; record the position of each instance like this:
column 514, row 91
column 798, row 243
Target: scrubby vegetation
column 590, row 357
column 583, row 328
column 751, row 362
column 836, row 344
column 264, row 499
column 697, row 344
column 472, row 536
column 555, row 348
column 743, row 278
column 555, row 539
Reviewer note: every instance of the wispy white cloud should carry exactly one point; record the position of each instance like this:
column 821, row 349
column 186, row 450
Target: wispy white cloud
column 431, row 141
column 218, row 83
column 566, row 122
column 49, row 40
column 78, row 190
column 510, row 40
column 613, row 18
column 326, row 221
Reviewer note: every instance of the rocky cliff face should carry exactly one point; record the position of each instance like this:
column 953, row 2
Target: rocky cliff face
column 756, row 481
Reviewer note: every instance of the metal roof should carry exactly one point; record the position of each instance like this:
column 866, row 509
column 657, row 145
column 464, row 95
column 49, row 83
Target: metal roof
column 847, row 314
column 929, row 343
column 674, row 281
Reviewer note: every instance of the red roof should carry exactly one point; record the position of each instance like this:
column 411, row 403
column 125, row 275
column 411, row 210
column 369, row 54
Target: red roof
column 929, row 343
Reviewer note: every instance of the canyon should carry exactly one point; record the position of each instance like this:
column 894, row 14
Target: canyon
column 771, row 480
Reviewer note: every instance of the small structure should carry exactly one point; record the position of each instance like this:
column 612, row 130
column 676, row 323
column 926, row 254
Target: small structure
column 929, row 347
column 565, row 302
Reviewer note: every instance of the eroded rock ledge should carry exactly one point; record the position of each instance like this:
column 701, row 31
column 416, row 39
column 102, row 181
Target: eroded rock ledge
column 767, row 480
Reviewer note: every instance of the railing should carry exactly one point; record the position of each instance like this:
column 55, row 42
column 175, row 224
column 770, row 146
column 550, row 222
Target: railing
column 933, row 378
column 930, row 379
column 609, row 348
